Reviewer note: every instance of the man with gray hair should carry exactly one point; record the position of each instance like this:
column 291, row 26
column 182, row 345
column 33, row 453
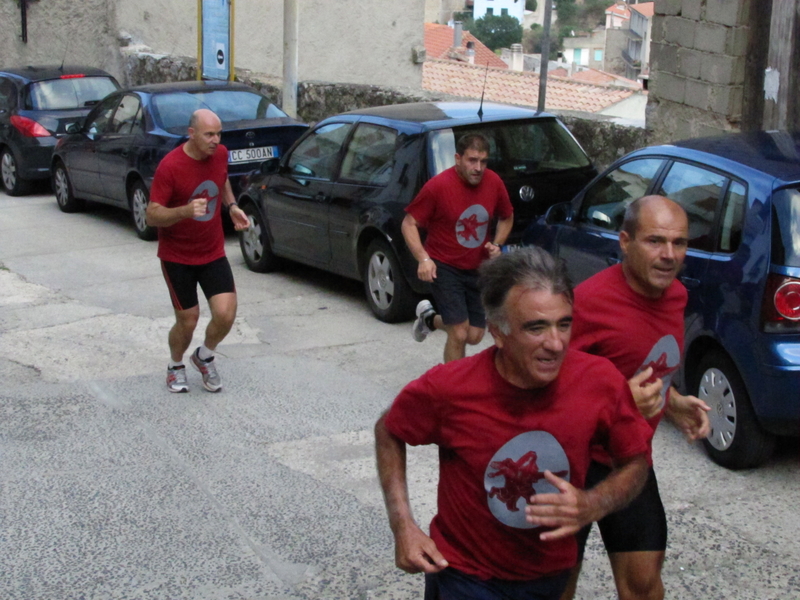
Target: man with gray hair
column 514, row 425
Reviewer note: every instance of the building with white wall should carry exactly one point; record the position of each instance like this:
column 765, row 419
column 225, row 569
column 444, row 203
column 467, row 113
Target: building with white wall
column 497, row 8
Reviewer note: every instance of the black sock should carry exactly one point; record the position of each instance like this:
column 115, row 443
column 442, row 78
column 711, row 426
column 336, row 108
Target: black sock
column 429, row 321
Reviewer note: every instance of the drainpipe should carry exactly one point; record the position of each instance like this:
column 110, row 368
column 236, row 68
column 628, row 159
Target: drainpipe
column 290, row 34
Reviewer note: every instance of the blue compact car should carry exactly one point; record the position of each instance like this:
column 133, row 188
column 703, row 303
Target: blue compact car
column 742, row 271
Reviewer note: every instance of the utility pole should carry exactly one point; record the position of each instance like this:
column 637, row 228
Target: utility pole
column 290, row 35
column 545, row 61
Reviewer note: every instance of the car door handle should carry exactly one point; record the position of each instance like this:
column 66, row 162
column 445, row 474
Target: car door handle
column 321, row 197
column 690, row 282
column 124, row 154
column 612, row 260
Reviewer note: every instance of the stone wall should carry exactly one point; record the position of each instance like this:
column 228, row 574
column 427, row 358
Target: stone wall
column 697, row 60
column 602, row 139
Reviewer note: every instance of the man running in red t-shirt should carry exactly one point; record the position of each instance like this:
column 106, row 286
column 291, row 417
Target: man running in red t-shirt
column 189, row 190
column 457, row 208
column 632, row 314
column 514, row 425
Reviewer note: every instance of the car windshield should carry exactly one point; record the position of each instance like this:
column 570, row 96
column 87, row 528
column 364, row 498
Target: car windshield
column 172, row 110
column 68, row 93
column 786, row 227
column 516, row 148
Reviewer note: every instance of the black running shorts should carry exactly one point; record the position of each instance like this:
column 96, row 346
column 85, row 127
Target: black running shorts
column 639, row 527
column 456, row 296
column 214, row 278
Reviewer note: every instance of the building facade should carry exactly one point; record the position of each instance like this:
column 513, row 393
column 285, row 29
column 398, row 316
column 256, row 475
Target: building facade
column 343, row 42
column 498, row 8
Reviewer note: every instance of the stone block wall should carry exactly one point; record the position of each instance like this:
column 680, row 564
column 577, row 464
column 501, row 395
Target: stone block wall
column 697, row 58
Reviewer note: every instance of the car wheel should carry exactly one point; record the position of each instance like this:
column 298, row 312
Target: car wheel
column 255, row 244
column 62, row 188
column 139, row 199
column 388, row 293
column 13, row 184
column 736, row 440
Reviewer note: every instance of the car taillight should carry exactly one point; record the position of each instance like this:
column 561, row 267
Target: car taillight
column 29, row 127
column 73, row 76
column 780, row 309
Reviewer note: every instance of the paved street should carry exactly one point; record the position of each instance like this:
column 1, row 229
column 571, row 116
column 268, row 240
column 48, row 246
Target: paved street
column 111, row 488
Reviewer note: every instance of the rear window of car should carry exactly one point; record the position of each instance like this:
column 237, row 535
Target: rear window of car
column 69, row 93
column 786, row 227
column 172, row 110
column 516, row 148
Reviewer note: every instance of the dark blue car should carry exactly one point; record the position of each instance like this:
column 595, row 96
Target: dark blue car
column 742, row 270
column 111, row 155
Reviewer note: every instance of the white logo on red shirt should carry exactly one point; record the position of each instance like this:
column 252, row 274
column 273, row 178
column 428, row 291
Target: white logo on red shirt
column 208, row 190
column 664, row 358
column 516, row 472
column 472, row 226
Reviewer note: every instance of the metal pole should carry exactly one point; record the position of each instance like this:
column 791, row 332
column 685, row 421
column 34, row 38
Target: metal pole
column 548, row 10
column 290, row 34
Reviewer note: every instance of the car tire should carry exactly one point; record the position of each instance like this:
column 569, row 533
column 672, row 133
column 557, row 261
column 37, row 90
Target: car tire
column 62, row 188
column 736, row 440
column 138, row 199
column 13, row 184
column 255, row 244
column 390, row 297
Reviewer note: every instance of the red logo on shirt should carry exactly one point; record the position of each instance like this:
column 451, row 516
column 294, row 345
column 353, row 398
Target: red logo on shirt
column 516, row 472
column 472, row 226
column 520, row 475
column 210, row 192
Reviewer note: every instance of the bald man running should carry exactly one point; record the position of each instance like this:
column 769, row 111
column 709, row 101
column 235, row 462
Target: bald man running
column 189, row 191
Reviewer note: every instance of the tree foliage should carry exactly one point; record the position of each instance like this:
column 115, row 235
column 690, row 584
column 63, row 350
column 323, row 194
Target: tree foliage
column 497, row 31
column 531, row 5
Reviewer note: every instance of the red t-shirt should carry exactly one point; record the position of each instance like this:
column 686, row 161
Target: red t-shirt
column 178, row 180
column 457, row 216
column 633, row 331
column 495, row 442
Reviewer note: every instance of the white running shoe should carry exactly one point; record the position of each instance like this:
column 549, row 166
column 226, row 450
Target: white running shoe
column 176, row 380
column 211, row 379
column 421, row 329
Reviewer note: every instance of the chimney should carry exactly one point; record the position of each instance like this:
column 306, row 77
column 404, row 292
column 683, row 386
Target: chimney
column 516, row 57
column 457, row 34
column 471, row 52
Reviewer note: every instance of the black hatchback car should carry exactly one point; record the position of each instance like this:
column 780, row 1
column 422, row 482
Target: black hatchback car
column 36, row 106
column 111, row 156
column 742, row 271
column 336, row 200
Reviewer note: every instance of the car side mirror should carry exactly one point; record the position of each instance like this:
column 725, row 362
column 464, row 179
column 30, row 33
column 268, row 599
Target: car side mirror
column 74, row 127
column 558, row 214
column 270, row 166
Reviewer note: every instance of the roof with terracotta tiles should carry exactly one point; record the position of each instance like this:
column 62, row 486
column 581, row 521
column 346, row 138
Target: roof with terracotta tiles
column 619, row 9
column 439, row 43
column 598, row 76
column 644, row 8
column 518, row 87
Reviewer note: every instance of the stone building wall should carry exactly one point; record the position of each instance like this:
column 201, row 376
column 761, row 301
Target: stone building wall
column 697, row 59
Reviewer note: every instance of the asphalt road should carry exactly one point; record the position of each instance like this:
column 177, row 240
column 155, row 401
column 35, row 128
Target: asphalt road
column 112, row 488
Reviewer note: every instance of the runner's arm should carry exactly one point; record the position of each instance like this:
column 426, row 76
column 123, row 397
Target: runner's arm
column 414, row 551
column 426, row 270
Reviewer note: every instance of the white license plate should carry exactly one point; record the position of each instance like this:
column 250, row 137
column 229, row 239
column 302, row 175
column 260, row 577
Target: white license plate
column 252, row 154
